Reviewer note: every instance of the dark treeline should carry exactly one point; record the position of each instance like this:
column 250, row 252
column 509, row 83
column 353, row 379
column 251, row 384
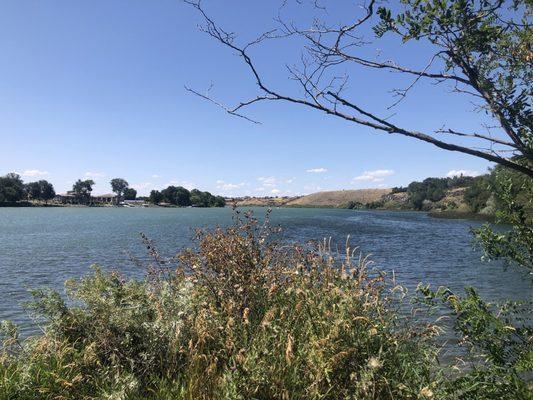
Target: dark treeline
column 481, row 193
column 434, row 189
column 13, row 189
column 179, row 196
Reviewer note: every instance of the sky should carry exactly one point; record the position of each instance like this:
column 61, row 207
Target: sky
column 96, row 89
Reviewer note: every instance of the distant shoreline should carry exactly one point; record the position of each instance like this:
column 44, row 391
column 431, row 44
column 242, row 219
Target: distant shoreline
column 432, row 214
column 26, row 204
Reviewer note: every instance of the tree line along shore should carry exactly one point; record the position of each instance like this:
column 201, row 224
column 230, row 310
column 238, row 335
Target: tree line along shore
column 14, row 192
column 450, row 197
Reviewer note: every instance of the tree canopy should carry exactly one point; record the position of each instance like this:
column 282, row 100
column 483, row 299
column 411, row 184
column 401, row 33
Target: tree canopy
column 82, row 190
column 118, row 186
column 179, row 196
column 11, row 188
column 41, row 190
column 478, row 49
column 130, row 194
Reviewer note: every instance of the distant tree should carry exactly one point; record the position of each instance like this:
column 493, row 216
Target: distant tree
column 199, row 198
column 354, row 205
column 435, row 188
column 432, row 189
column 417, row 194
column 155, row 197
column 183, row 197
column 180, row 196
column 11, row 188
column 41, row 190
column 206, row 199
column 32, row 190
column 176, row 195
column 47, row 190
column 118, row 185
column 478, row 193
column 82, row 190
column 219, row 202
column 169, row 194
column 460, row 181
column 400, row 189
column 130, row 194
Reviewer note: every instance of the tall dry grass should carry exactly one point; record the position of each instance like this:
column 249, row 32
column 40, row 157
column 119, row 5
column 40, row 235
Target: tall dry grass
column 238, row 317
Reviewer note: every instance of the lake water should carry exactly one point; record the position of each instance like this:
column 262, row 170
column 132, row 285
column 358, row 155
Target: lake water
column 42, row 247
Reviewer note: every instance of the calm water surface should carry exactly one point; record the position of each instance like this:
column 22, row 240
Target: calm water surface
column 42, row 247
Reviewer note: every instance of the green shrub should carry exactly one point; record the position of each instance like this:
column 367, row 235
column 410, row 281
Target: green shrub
column 498, row 339
column 238, row 317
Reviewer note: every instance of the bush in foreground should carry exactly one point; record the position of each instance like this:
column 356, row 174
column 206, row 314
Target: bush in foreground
column 237, row 318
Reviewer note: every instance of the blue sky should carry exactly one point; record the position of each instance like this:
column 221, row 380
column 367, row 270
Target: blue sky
column 96, row 89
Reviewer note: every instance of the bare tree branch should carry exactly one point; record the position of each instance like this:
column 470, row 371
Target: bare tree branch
column 327, row 97
column 232, row 111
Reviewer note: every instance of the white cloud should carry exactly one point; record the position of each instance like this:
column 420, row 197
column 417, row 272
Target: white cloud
column 377, row 175
column 94, row 174
column 312, row 188
column 31, row 173
column 142, row 186
column 271, row 185
column 269, row 181
column 317, row 170
column 459, row 172
column 155, row 176
column 223, row 185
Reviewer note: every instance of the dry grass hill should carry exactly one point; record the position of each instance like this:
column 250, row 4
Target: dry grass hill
column 339, row 198
column 335, row 198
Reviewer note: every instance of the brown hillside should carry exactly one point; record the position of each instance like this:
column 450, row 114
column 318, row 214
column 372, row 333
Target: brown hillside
column 338, row 198
column 259, row 201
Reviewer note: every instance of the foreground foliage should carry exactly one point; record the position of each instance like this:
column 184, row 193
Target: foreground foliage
column 514, row 245
column 240, row 317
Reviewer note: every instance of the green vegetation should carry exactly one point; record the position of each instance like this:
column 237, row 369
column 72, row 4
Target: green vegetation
column 82, row 190
column 241, row 317
column 482, row 49
column 513, row 196
column 498, row 337
column 41, row 190
column 179, row 196
column 433, row 189
column 13, row 190
column 130, row 194
column 478, row 193
column 155, row 197
column 486, row 196
column 119, row 186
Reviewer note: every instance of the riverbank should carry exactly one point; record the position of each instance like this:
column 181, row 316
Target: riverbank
column 23, row 204
column 461, row 215
column 28, row 204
